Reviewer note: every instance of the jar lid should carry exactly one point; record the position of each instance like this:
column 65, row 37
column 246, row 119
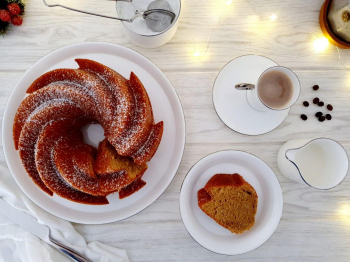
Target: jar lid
column 339, row 19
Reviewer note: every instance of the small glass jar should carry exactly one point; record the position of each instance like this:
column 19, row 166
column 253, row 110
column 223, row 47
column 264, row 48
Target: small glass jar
column 138, row 32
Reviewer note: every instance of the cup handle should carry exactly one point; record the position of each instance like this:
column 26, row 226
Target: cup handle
column 245, row 86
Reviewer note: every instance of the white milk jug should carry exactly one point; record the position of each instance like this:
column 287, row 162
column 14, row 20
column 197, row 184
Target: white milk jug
column 321, row 163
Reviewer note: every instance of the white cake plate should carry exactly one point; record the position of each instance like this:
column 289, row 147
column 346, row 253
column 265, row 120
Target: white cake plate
column 166, row 107
column 232, row 105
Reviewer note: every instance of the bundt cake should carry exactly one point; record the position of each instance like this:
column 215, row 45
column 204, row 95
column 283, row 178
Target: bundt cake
column 230, row 201
column 46, row 131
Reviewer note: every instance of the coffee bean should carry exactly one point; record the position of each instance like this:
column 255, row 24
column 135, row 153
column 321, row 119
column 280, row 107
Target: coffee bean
column 316, row 100
column 321, row 118
column 315, row 87
column 320, row 103
column 328, row 117
column 318, row 114
column 330, row 107
column 306, row 103
column 304, row 117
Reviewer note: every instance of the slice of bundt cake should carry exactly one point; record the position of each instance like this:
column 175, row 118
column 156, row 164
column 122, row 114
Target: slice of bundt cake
column 147, row 151
column 47, row 169
column 230, row 201
column 61, row 91
column 50, row 111
column 92, row 84
column 123, row 97
column 135, row 133
column 74, row 161
column 142, row 122
column 115, row 171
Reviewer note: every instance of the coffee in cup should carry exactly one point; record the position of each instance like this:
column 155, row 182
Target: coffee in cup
column 277, row 88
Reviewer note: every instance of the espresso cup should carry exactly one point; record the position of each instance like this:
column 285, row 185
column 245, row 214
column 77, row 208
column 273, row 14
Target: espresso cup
column 254, row 94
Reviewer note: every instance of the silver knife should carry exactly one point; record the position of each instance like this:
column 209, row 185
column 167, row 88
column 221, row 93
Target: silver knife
column 32, row 225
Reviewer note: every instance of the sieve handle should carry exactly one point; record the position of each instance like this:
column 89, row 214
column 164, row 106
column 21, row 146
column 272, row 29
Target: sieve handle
column 89, row 13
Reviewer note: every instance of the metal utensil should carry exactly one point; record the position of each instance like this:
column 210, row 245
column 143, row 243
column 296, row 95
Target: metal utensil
column 32, row 225
column 158, row 21
column 148, row 14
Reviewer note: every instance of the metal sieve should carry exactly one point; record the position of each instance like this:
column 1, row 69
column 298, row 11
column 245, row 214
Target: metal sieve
column 158, row 15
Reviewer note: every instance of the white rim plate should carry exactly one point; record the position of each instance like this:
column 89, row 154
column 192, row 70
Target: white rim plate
column 204, row 229
column 232, row 106
column 166, row 106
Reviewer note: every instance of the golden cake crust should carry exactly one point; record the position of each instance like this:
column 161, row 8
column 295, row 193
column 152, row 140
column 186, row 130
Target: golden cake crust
column 135, row 134
column 147, row 151
column 141, row 126
column 74, row 161
column 123, row 97
column 47, row 168
column 56, row 91
column 53, row 110
column 105, row 107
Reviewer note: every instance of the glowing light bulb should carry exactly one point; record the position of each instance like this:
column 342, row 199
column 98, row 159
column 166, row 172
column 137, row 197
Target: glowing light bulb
column 343, row 214
column 345, row 210
column 229, row 2
column 196, row 54
column 273, row 17
column 321, row 44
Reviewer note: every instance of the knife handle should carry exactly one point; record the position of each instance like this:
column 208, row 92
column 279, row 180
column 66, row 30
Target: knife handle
column 69, row 252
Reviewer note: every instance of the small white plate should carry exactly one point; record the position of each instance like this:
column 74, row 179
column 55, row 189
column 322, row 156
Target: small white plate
column 166, row 106
column 232, row 106
column 205, row 230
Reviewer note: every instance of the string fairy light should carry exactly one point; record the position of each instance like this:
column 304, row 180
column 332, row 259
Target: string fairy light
column 318, row 44
column 273, row 17
column 321, row 44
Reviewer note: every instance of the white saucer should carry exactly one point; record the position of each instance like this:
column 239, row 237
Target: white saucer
column 232, row 106
column 205, row 230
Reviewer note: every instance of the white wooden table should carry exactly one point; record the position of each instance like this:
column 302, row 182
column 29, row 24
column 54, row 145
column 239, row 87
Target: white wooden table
column 315, row 225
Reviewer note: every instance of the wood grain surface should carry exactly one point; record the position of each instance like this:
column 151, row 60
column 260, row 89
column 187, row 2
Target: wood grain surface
column 315, row 225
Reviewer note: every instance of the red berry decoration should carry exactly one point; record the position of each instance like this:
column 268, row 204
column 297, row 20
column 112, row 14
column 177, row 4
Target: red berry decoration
column 5, row 15
column 14, row 8
column 17, row 20
column 11, row 12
